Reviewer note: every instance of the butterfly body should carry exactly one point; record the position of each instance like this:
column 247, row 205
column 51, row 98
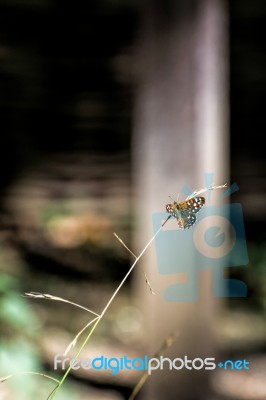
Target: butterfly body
column 185, row 211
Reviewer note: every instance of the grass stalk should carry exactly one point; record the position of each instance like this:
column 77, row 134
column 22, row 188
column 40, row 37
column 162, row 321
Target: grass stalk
column 57, row 388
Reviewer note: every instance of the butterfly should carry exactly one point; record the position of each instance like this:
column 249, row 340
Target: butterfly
column 185, row 211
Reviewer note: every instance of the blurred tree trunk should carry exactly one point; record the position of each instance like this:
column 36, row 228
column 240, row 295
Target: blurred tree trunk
column 181, row 132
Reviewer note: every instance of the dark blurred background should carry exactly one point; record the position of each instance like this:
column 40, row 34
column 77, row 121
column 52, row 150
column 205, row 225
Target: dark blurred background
column 68, row 78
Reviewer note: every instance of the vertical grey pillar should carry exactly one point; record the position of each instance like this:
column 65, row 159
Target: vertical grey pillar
column 180, row 132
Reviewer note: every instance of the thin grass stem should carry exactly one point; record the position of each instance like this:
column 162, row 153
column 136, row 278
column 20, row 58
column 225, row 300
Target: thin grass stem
column 57, row 388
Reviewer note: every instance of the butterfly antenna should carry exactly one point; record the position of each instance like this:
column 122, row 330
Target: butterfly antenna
column 171, row 198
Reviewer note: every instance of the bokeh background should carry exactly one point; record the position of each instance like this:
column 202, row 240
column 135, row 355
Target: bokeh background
column 79, row 85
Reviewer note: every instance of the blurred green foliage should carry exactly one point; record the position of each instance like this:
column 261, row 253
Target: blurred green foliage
column 254, row 275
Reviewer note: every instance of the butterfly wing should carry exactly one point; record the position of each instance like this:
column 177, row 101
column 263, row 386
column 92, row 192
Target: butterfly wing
column 172, row 209
column 186, row 219
column 194, row 204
